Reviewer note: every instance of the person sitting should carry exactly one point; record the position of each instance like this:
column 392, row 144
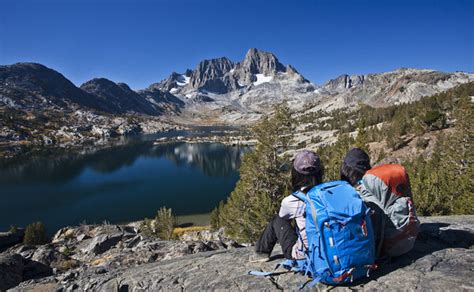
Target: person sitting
column 386, row 190
column 353, row 168
column 307, row 172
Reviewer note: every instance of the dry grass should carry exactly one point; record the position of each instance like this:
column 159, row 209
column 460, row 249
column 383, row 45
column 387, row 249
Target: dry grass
column 178, row 231
column 101, row 261
column 66, row 265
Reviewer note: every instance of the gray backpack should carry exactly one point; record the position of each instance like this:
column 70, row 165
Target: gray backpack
column 386, row 190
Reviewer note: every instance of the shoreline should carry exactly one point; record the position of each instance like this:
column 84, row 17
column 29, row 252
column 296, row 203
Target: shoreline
column 201, row 134
column 229, row 140
column 195, row 220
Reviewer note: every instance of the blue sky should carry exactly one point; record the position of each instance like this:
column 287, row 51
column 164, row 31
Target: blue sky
column 140, row 42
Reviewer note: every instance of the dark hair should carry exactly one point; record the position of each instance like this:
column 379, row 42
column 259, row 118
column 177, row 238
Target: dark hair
column 351, row 174
column 299, row 181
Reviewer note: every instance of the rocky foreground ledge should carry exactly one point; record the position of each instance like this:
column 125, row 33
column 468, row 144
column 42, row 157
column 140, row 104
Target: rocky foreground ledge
column 443, row 259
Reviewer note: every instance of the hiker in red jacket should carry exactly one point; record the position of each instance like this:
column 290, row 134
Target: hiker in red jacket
column 307, row 171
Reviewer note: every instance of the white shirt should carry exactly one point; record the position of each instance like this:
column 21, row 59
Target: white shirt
column 294, row 208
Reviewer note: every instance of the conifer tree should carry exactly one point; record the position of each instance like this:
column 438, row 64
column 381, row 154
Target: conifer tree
column 361, row 140
column 165, row 222
column 459, row 157
column 332, row 156
column 35, row 234
column 264, row 179
column 215, row 215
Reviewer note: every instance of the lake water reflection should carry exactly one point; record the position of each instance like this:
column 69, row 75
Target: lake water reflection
column 117, row 184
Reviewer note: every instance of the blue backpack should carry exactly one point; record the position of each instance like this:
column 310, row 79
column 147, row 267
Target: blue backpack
column 340, row 237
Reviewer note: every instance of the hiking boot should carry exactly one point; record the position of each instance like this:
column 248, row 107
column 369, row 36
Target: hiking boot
column 258, row 257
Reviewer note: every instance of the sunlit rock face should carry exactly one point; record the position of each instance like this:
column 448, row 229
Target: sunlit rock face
column 440, row 260
column 217, row 91
column 228, row 92
column 389, row 88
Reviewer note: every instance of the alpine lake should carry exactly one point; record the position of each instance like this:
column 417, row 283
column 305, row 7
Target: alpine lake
column 120, row 183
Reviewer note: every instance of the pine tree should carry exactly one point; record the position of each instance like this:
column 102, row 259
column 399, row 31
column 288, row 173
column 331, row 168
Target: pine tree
column 264, row 179
column 35, row 234
column 361, row 140
column 332, row 156
column 444, row 185
column 165, row 223
column 162, row 226
column 215, row 215
column 459, row 157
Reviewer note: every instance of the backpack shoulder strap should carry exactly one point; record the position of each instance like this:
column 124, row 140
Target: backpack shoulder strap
column 300, row 195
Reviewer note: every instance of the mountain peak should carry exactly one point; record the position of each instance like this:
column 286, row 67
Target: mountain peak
column 98, row 81
column 118, row 96
column 209, row 74
column 261, row 62
column 222, row 75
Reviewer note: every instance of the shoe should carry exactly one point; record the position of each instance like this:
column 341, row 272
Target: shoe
column 258, row 257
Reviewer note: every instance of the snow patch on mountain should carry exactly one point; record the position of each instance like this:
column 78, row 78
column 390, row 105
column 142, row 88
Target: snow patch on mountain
column 262, row 79
column 183, row 80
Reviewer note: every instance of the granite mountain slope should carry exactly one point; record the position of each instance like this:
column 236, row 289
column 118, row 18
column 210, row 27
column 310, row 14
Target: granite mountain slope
column 227, row 92
column 389, row 88
column 31, row 86
column 34, row 86
column 219, row 91
column 119, row 95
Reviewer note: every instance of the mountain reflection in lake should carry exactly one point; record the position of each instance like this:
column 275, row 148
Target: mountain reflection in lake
column 117, row 184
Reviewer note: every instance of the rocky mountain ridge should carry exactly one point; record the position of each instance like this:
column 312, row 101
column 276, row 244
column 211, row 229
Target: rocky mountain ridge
column 120, row 258
column 120, row 96
column 31, row 85
column 382, row 89
column 217, row 92
column 219, row 88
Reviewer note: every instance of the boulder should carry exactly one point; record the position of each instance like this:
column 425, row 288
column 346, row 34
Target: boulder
column 63, row 234
column 102, row 243
column 34, row 270
column 11, row 271
column 46, row 254
column 82, row 237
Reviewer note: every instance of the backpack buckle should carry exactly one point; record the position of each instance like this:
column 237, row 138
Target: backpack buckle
column 344, row 276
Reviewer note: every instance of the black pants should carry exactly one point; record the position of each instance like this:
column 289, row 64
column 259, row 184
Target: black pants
column 378, row 219
column 277, row 230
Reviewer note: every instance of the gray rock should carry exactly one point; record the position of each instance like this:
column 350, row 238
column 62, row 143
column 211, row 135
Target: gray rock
column 119, row 96
column 11, row 271
column 103, row 243
column 34, row 270
column 82, row 237
column 45, row 254
column 132, row 242
column 442, row 260
column 258, row 62
column 209, row 75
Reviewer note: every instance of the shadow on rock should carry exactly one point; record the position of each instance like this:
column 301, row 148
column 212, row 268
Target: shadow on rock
column 433, row 237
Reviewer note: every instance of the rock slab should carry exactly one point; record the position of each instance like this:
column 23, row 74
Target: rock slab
column 442, row 259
